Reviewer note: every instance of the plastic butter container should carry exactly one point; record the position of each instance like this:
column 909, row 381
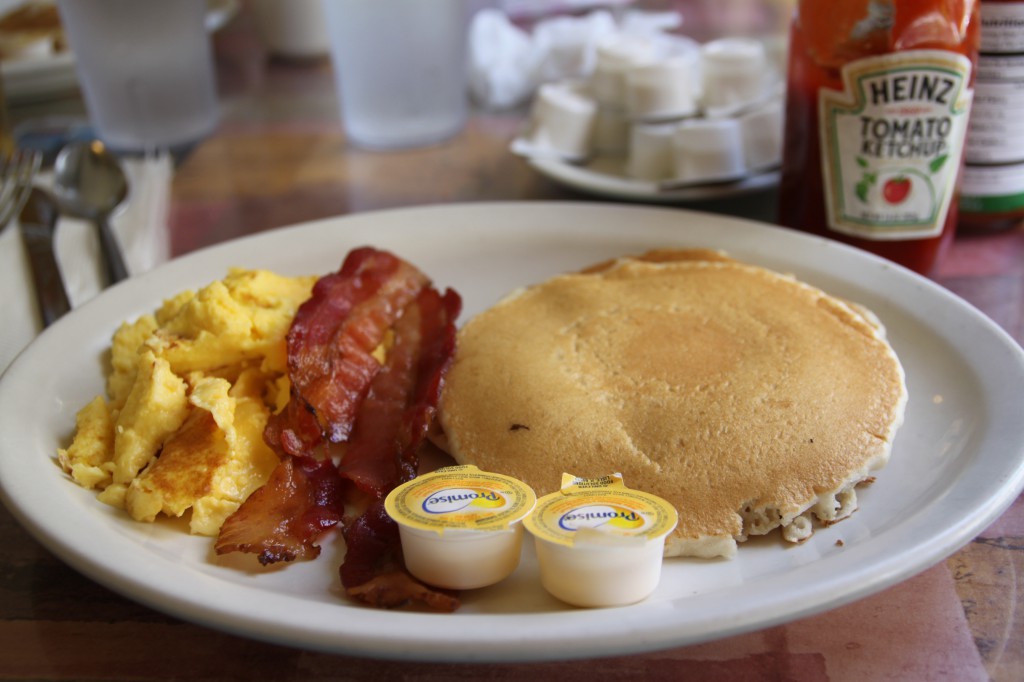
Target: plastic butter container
column 600, row 543
column 461, row 527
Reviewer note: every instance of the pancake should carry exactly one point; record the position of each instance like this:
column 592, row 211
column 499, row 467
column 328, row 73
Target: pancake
column 747, row 399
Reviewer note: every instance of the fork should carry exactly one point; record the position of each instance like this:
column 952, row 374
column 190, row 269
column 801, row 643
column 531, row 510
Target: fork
column 17, row 170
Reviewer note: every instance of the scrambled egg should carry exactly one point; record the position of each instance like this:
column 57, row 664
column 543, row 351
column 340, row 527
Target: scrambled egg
column 190, row 390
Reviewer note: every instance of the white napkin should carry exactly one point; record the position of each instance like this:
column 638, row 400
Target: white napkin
column 507, row 64
column 141, row 228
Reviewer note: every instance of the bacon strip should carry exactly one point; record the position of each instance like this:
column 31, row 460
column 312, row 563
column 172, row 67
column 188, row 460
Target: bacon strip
column 340, row 392
column 333, row 333
column 392, row 424
column 294, row 430
column 282, row 519
column 330, row 344
column 374, row 574
column 396, row 414
column 439, row 333
column 393, row 589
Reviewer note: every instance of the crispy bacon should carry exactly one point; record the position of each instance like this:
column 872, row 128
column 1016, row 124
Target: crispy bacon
column 439, row 331
column 400, row 405
column 282, row 519
column 375, row 575
column 340, row 392
column 392, row 424
column 330, row 346
column 294, row 430
column 393, row 589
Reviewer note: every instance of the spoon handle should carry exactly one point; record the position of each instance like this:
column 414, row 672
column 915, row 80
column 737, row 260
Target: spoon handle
column 112, row 258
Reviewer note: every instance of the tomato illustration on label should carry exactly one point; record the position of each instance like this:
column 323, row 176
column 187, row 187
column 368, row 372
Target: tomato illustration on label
column 897, row 185
column 896, row 189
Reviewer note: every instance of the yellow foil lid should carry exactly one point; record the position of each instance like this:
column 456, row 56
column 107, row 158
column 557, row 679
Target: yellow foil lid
column 597, row 511
column 460, row 498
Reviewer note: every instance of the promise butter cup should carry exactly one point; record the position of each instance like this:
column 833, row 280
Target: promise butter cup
column 460, row 527
column 600, row 543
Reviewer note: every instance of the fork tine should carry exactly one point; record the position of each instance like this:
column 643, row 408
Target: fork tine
column 7, row 181
column 16, row 175
column 9, row 186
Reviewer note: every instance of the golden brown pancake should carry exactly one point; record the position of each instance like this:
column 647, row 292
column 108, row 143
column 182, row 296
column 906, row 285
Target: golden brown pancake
column 747, row 399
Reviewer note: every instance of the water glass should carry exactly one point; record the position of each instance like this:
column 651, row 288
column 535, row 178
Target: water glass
column 145, row 69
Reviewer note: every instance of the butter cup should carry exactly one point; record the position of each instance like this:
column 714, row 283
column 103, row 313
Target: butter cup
column 735, row 72
column 460, row 527
column 613, row 60
column 600, row 543
column 663, row 90
column 650, row 151
column 761, row 130
column 707, row 150
column 562, row 121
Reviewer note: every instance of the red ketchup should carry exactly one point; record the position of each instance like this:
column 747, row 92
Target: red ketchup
column 877, row 104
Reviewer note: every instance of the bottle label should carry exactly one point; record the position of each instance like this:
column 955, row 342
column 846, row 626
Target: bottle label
column 993, row 178
column 1002, row 27
column 892, row 141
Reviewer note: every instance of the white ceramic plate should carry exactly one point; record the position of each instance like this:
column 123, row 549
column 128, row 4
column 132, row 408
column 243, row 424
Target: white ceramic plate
column 606, row 177
column 36, row 77
column 958, row 460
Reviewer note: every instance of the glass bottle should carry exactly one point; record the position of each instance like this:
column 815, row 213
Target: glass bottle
column 992, row 188
column 877, row 105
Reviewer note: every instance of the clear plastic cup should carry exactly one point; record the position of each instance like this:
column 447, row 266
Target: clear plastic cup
column 400, row 68
column 146, row 70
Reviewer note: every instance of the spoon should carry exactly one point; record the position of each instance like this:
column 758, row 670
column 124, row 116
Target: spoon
column 37, row 222
column 90, row 183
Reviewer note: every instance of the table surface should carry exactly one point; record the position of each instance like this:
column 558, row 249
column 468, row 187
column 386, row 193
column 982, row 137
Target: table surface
column 278, row 158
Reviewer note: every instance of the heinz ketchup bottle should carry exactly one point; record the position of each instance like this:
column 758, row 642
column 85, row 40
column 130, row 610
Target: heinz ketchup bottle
column 877, row 103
